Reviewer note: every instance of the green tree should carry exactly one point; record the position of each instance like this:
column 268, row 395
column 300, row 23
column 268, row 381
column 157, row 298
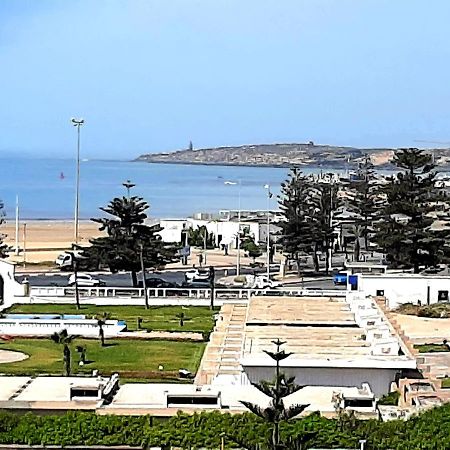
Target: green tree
column 64, row 339
column 403, row 233
column 199, row 237
column 126, row 233
column 365, row 198
column 277, row 390
column 296, row 234
column 324, row 200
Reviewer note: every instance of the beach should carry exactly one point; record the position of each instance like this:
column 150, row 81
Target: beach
column 46, row 239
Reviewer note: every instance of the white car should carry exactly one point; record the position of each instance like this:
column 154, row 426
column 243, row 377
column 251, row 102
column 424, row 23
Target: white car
column 197, row 275
column 262, row 282
column 85, row 280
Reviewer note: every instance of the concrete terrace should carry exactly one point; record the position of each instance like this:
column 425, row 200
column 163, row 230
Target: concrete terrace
column 299, row 311
column 331, row 331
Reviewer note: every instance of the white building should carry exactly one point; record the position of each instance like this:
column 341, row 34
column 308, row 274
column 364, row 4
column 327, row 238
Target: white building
column 334, row 342
column 225, row 232
column 400, row 288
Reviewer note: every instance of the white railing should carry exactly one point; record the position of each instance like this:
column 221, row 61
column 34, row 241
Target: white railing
column 180, row 293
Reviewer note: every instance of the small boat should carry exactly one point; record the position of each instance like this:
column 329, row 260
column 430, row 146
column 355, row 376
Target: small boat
column 62, row 176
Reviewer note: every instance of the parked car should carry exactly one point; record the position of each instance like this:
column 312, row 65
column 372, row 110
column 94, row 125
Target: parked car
column 340, row 279
column 195, row 275
column 85, row 280
column 263, row 282
column 157, row 283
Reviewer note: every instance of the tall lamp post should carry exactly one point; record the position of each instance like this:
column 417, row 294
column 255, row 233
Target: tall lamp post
column 238, row 256
column 77, row 123
column 128, row 185
column 269, row 196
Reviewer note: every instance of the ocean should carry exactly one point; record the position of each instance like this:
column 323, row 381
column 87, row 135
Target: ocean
column 46, row 187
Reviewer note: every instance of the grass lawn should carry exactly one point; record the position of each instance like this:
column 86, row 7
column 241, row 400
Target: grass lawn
column 431, row 348
column 131, row 358
column 197, row 318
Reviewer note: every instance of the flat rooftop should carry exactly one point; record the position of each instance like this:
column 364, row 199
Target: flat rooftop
column 320, row 332
column 149, row 398
column 47, row 392
column 300, row 311
column 11, row 385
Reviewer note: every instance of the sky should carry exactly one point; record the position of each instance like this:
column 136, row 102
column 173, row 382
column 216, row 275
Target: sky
column 152, row 75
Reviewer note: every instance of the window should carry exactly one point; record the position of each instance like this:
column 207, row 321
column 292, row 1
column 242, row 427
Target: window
column 442, row 296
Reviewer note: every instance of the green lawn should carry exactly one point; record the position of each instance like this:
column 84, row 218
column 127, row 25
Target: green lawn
column 445, row 383
column 431, row 348
column 131, row 358
column 197, row 318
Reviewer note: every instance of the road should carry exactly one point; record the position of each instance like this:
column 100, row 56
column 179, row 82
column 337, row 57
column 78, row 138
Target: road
column 124, row 279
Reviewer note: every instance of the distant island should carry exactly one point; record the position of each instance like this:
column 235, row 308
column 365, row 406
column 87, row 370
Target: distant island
column 285, row 155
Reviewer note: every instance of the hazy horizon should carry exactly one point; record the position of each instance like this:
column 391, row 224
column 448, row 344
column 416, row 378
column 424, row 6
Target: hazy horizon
column 150, row 76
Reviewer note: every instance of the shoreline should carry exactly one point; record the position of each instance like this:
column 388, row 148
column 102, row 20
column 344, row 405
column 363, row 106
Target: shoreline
column 264, row 166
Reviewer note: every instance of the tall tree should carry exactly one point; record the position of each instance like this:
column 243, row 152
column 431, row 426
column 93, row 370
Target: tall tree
column 64, row 339
column 364, row 198
column 404, row 232
column 126, row 233
column 324, row 201
column 296, row 234
column 282, row 386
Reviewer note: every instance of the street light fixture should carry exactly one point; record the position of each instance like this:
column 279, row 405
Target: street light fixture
column 128, row 185
column 269, row 196
column 77, row 123
column 238, row 256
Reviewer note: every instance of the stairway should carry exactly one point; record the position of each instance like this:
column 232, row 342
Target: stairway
column 223, row 352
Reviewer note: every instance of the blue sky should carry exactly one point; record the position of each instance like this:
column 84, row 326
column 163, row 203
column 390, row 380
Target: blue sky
column 151, row 75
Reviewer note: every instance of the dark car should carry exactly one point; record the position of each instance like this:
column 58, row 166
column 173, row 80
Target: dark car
column 157, row 283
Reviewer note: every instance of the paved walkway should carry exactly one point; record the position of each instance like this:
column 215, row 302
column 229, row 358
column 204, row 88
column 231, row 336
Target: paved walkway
column 7, row 356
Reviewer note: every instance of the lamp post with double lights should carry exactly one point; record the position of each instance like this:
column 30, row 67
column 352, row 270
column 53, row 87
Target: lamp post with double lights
column 77, row 123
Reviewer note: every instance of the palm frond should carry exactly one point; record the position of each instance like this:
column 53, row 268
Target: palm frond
column 255, row 409
column 293, row 411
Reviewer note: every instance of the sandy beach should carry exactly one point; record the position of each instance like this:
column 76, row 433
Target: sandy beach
column 46, row 239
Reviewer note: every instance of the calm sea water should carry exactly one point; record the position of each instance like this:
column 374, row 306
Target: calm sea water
column 46, row 187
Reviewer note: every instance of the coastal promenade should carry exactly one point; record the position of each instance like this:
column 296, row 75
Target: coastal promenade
column 46, row 239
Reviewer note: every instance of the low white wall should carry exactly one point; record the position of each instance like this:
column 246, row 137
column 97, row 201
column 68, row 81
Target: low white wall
column 403, row 288
column 46, row 327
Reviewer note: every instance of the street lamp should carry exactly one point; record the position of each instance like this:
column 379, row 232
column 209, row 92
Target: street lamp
column 269, row 196
column 77, row 123
column 238, row 256
column 128, row 185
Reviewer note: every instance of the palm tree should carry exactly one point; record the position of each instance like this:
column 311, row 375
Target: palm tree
column 63, row 338
column 181, row 318
column 101, row 321
column 277, row 390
